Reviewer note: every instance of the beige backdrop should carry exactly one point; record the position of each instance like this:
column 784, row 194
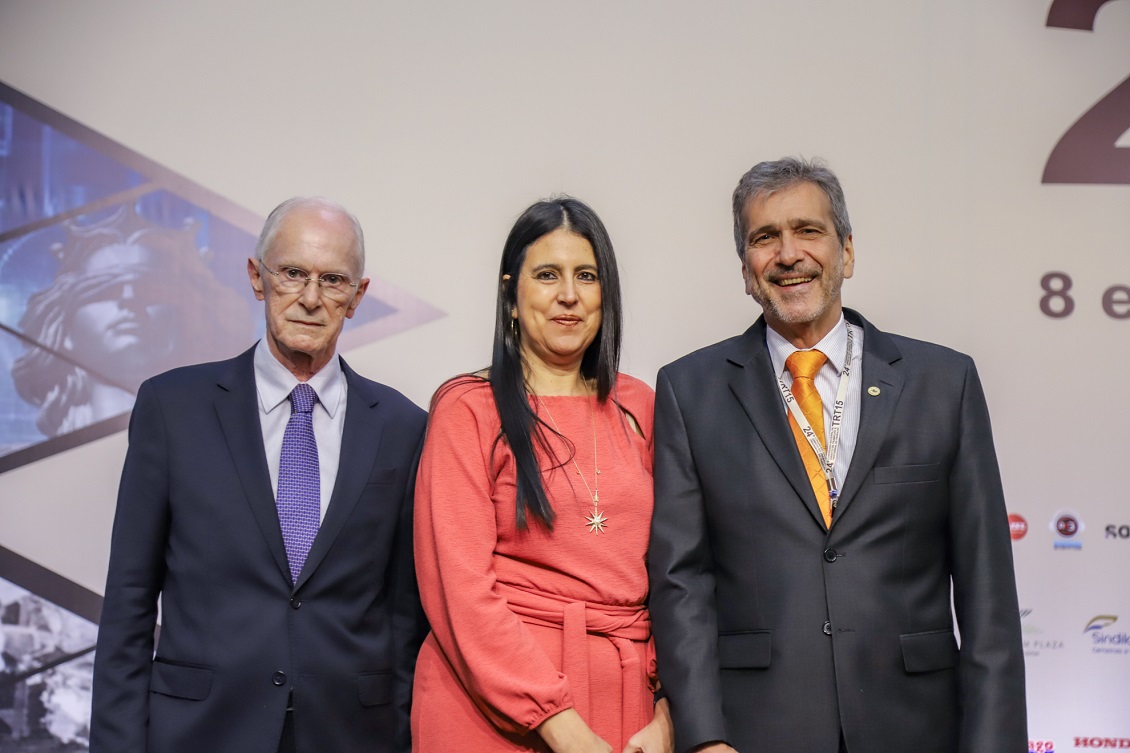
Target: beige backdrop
column 439, row 122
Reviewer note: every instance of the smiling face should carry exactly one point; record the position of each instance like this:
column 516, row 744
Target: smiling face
column 303, row 327
column 794, row 264
column 559, row 301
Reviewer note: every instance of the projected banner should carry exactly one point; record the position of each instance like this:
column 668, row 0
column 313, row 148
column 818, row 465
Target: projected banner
column 48, row 627
column 112, row 269
column 984, row 146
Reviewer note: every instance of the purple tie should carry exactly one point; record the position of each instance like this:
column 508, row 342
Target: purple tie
column 300, row 490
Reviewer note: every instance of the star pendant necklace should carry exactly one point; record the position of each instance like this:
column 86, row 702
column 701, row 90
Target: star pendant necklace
column 595, row 520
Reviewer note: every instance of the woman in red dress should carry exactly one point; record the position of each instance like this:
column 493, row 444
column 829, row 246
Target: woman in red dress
column 533, row 504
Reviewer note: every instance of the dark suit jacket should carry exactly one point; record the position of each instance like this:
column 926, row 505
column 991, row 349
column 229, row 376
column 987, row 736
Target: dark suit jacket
column 774, row 633
column 196, row 525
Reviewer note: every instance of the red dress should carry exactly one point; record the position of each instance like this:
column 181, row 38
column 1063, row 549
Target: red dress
column 527, row 623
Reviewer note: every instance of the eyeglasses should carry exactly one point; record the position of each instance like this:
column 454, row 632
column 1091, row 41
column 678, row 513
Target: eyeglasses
column 294, row 280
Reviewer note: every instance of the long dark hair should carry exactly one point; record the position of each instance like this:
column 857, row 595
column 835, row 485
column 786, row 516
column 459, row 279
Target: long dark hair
column 521, row 426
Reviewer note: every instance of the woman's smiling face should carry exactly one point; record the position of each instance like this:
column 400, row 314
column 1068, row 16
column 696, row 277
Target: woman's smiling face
column 559, row 300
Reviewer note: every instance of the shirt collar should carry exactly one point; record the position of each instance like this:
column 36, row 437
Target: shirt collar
column 833, row 345
column 274, row 382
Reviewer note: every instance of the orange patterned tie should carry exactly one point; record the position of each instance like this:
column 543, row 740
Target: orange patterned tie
column 803, row 365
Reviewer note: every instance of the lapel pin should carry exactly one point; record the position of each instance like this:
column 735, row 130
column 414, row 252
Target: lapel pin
column 872, row 391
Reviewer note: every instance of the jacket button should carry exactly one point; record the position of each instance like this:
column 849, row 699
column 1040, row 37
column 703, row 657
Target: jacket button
column 295, row 603
column 827, row 628
column 279, row 678
column 830, row 555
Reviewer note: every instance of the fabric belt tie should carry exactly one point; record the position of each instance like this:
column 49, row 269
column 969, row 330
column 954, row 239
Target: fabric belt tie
column 621, row 626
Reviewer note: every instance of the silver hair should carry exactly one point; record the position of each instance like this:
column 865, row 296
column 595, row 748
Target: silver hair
column 766, row 178
column 279, row 213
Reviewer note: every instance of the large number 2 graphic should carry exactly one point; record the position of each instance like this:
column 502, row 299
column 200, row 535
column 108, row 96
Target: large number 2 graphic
column 1087, row 152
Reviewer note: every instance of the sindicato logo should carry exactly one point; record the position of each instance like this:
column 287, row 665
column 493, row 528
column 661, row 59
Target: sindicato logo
column 1100, row 622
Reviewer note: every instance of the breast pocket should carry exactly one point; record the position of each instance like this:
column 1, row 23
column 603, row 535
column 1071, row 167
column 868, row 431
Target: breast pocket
column 907, row 474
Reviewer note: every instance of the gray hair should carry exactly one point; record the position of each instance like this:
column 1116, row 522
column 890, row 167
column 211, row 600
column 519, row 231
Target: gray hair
column 766, row 178
column 279, row 213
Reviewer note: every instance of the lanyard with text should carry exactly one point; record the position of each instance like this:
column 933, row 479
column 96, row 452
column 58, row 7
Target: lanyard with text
column 827, row 459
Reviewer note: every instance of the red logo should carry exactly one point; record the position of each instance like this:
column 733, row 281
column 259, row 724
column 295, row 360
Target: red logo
column 1017, row 526
column 1122, row 743
column 1067, row 526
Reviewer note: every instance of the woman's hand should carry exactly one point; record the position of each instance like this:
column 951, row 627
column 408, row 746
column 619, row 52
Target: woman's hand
column 658, row 736
column 566, row 732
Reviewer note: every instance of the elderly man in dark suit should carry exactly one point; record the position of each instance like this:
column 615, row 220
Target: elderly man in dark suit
column 822, row 488
column 266, row 502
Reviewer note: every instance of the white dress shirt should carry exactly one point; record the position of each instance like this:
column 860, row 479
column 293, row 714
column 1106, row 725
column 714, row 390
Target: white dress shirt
column 834, row 346
column 274, row 383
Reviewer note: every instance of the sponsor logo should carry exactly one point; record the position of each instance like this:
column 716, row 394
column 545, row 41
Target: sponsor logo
column 1120, row 743
column 1104, row 639
column 1067, row 526
column 1041, row 746
column 1114, row 531
column 1017, row 526
column 1035, row 642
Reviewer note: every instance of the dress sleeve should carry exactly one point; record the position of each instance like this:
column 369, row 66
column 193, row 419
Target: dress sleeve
column 638, row 399
column 497, row 661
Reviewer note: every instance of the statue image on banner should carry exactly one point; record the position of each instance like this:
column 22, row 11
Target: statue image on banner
column 130, row 299
column 45, row 671
column 114, row 269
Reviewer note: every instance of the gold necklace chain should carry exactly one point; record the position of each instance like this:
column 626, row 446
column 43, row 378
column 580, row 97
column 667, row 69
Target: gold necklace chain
column 595, row 520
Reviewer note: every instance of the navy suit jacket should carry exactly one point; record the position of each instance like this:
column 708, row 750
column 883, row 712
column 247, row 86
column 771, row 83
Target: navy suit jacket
column 776, row 634
column 196, row 526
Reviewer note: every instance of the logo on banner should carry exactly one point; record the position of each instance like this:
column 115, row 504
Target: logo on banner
column 1067, row 526
column 1117, row 532
column 1035, row 642
column 1104, row 639
column 1121, row 743
column 1017, row 526
column 1041, row 746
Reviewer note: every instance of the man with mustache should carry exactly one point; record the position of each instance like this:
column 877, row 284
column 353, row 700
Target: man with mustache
column 266, row 501
column 819, row 487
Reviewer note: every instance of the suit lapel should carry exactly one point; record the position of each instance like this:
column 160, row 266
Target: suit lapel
column 880, row 355
column 754, row 385
column 360, row 440
column 237, row 410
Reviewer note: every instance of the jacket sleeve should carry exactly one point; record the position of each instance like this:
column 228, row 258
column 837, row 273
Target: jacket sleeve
column 683, row 612
column 120, row 710
column 409, row 624
column 495, row 658
column 984, row 588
